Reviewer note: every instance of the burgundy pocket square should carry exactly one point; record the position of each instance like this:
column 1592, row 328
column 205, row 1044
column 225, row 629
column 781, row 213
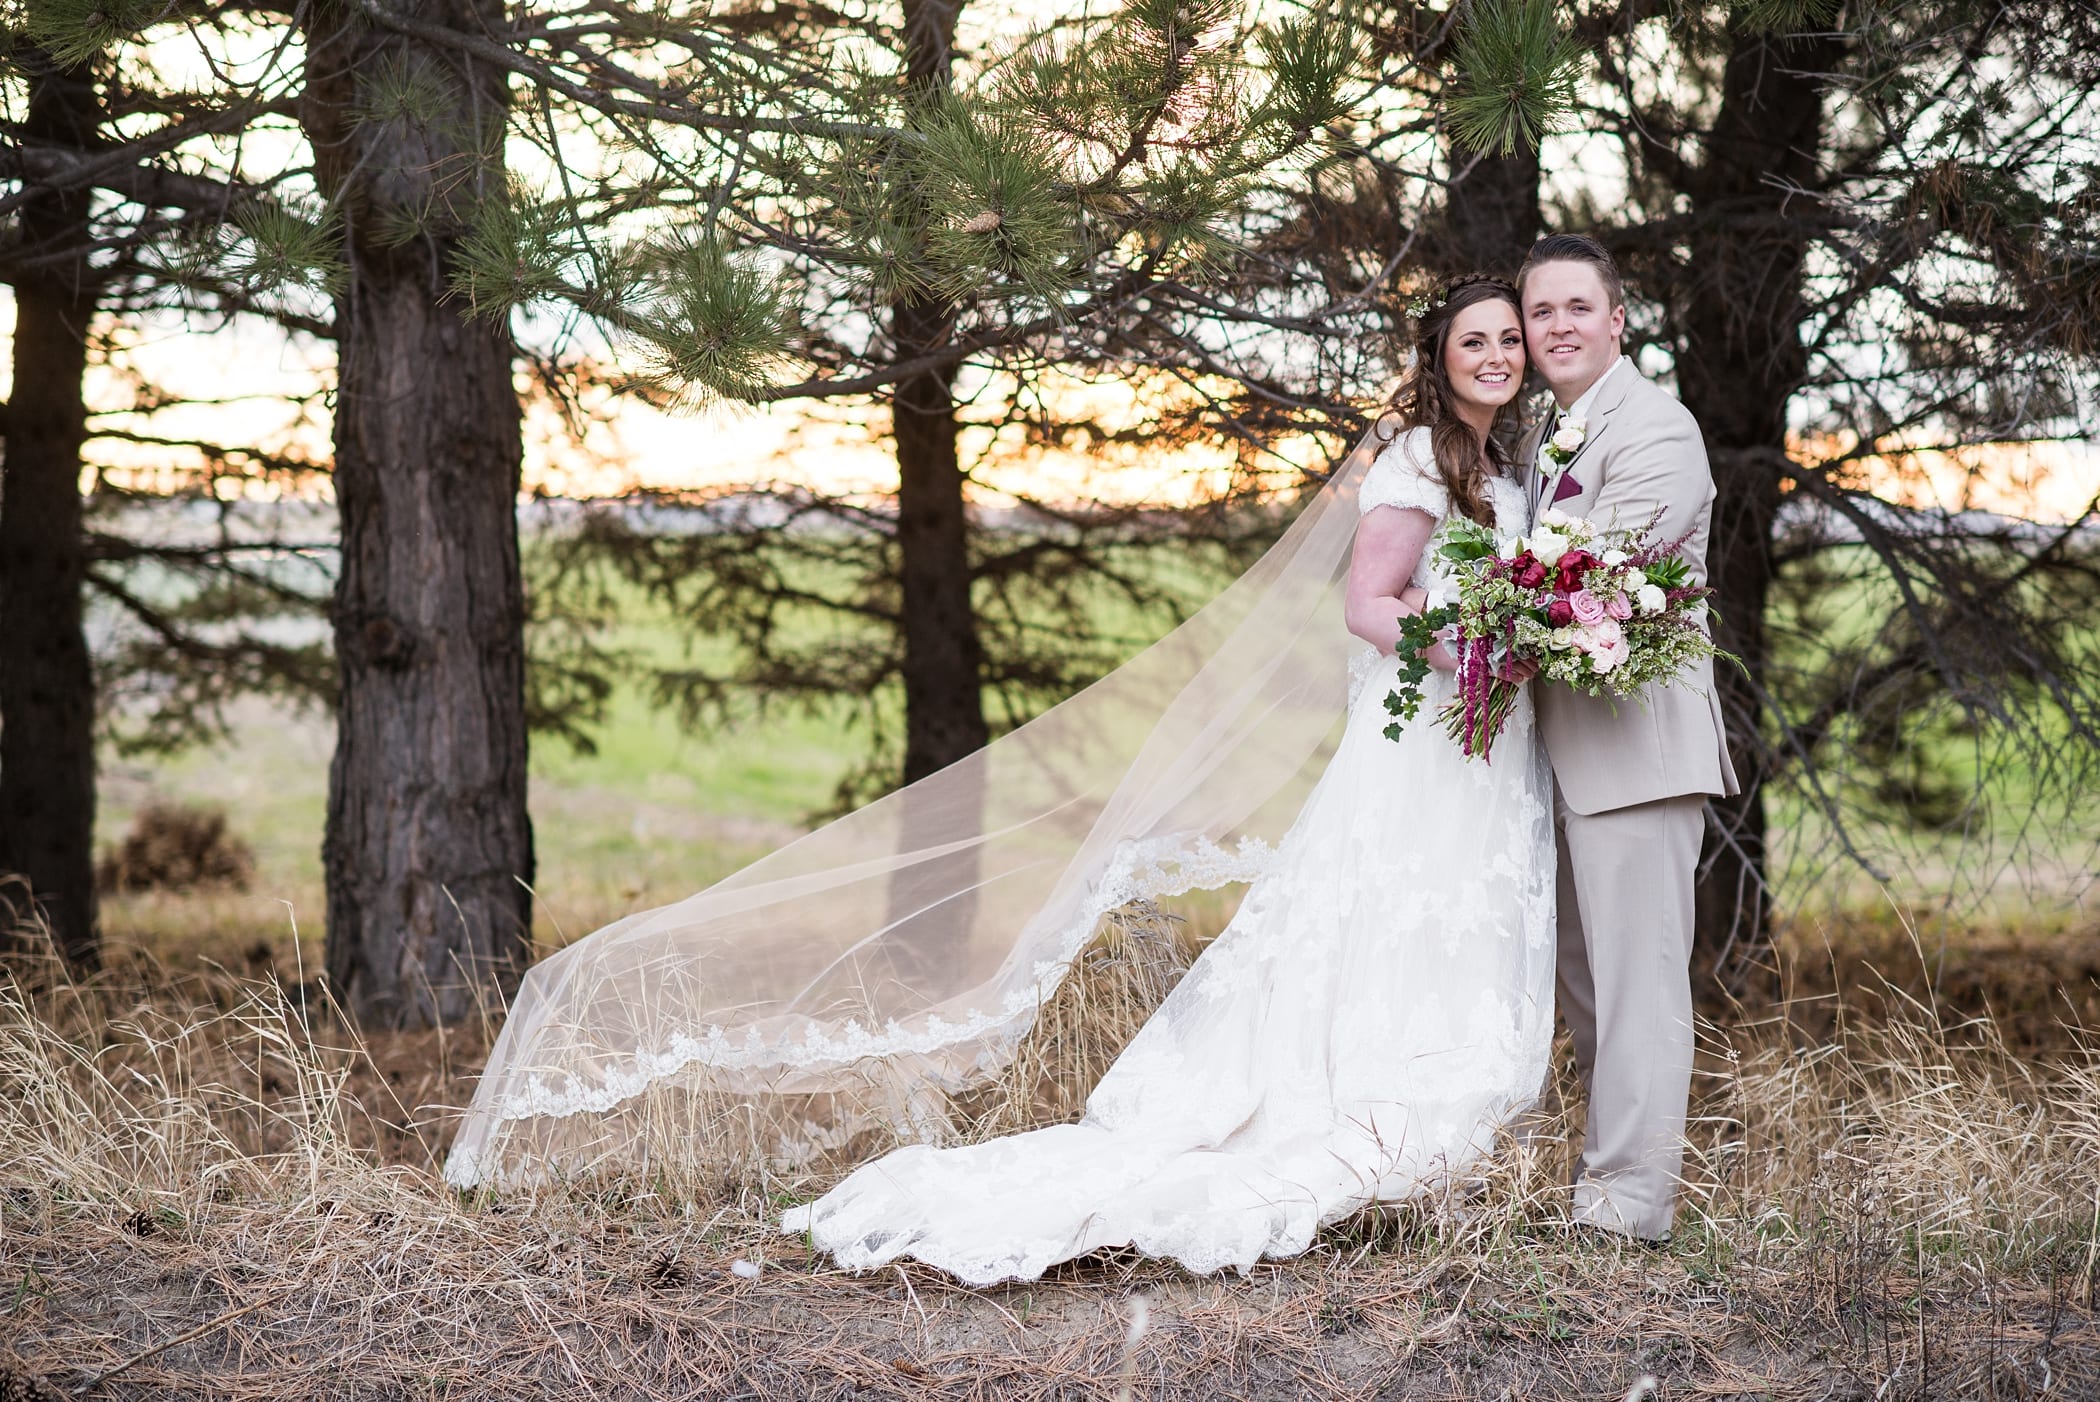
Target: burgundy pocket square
column 1565, row 488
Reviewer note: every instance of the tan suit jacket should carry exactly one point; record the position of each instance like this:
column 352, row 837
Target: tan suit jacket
column 1643, row 453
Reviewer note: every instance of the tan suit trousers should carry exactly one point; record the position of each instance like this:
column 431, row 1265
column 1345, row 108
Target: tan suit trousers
column 1625, row 947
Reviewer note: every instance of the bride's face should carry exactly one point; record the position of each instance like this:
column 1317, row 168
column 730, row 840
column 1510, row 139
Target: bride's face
column 1484, row 354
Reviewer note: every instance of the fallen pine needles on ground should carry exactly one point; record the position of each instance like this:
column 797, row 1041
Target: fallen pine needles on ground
column 214, row 1190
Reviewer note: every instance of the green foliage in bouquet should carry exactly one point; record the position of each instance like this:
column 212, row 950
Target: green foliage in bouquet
column 1418, row 633
column 1466, row 541
column 1669, row 572
column 1463, row 541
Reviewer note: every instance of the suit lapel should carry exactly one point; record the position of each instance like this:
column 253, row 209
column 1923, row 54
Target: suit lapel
column 1528, row 462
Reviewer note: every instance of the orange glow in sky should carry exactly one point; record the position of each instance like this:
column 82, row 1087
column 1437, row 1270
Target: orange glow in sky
column 838, row 448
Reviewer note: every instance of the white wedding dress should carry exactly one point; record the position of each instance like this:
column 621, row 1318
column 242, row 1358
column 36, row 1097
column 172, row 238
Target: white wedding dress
column 1379, row 1005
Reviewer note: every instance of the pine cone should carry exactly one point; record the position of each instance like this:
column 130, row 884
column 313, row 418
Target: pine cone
column 21, row 1385
column 666, row 1272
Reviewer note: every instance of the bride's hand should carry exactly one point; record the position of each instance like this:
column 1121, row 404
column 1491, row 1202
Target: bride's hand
column 1519, row 672
column 1440, row 657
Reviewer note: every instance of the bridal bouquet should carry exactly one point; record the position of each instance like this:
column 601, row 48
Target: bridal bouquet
column 1598, row 610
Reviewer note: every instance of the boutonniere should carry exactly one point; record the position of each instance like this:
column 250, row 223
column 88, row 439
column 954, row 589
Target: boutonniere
column 1566, row 441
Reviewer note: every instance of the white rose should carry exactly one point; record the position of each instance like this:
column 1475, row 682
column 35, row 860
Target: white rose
column 1613, row 557
column 1553, row 516
column 1547, row 547
column 1568, row 439
column 1508, row 547
column 1578, row 425
column 1651, row 598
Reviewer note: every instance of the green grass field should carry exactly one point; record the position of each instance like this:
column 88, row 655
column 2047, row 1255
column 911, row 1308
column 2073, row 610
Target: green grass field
column 660, row 809
column 655, row 810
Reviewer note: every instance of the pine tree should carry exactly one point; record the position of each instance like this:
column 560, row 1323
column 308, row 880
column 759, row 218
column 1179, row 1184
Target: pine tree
column 428, row 853
column 110, row 180
column 1858, row 232
column 429, row 845
column 1123, row 198
column 47, row 716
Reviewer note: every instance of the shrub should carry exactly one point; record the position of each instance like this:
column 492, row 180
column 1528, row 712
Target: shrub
column 170, row 847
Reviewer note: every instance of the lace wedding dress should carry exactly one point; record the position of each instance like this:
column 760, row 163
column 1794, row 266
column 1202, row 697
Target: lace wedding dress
column 1379, row 1005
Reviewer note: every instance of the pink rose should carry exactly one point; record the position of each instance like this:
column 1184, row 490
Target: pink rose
column 1619, row 606
column 1587, row 607
column 1605, row 643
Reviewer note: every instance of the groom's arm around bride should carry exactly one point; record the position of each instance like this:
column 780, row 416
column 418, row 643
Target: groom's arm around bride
column 1631, row 777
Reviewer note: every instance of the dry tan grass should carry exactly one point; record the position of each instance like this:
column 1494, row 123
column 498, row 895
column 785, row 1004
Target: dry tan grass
column 212, row 1191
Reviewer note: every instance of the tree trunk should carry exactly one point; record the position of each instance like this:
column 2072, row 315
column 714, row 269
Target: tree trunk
column 943, row 696
column 943, row 655
column 429, row 844
column 47, row 685
column 1742, row 362
column 1491, row 213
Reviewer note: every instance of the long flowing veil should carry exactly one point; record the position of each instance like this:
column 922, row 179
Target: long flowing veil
column 902, row 952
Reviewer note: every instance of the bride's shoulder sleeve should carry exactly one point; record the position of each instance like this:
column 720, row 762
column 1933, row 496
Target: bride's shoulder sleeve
column 1405, row 476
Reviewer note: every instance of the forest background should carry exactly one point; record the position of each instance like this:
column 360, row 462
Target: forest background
column 520, row 464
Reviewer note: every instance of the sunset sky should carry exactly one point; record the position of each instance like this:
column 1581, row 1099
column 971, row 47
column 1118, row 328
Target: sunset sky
column 253, row 374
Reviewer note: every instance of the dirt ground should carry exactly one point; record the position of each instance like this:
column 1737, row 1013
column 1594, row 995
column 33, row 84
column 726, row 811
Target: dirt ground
column 356, row 1302
column 1896, row 1196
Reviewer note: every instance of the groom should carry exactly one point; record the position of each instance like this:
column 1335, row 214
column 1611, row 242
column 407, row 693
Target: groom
column 1630, row 781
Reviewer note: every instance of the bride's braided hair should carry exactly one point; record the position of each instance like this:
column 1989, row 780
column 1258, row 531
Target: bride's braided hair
column 1426, row 399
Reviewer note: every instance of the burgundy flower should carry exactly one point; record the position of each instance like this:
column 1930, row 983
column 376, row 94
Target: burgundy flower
column 1530, row 574
column 1559, row 613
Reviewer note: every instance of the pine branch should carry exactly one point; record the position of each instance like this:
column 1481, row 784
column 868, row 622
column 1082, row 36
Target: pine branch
column 654, row 108
column 116, row 168
column 1516, row 74
column 49, row 169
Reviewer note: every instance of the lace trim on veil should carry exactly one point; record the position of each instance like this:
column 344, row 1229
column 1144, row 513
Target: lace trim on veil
column 1143, row 870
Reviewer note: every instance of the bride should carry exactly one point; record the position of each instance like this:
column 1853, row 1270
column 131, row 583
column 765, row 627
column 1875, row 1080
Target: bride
column 1379, row 1005
column 1382, row 1000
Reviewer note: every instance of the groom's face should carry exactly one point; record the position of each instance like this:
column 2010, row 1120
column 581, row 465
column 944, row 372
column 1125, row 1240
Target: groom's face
column 1570, row 326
